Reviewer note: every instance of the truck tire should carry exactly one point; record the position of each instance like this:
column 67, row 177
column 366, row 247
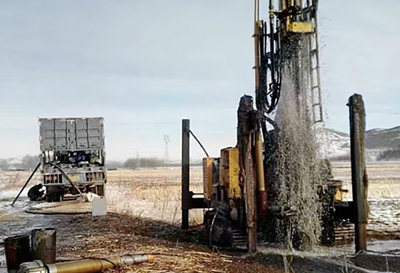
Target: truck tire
column 54, row 194
column 99, row 190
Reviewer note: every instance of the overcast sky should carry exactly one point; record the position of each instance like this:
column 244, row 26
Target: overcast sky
column 146, row 65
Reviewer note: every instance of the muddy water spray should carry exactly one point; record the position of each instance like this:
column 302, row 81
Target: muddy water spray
column 298, row 170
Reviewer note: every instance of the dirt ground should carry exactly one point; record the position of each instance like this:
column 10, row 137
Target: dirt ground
column 144, row 217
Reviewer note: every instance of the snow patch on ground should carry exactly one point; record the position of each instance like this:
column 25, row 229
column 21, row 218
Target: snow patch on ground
column 12, row 193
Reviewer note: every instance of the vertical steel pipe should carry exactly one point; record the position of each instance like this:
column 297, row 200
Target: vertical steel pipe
column 283, row 5
column 44, row 245
column 262, row 194
column 185, row 173
column 358, row 169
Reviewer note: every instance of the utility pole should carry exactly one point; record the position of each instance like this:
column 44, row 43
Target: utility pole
column 166, row 155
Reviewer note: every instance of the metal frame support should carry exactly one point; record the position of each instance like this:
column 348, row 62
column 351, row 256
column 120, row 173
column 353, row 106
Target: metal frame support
column 185, row 173
column 188, row 199
column 358, row 170
column 26, row 183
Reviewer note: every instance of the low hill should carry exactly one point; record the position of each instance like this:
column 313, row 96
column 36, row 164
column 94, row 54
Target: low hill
column 380, row 144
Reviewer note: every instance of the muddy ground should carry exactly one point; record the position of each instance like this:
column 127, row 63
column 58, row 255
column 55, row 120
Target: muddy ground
column 144, row 217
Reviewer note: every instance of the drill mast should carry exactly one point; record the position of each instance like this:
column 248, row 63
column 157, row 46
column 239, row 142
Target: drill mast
column 287, row 42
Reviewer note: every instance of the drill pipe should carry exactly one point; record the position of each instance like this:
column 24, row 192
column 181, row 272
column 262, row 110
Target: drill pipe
column 97, row 265
column 262, row 194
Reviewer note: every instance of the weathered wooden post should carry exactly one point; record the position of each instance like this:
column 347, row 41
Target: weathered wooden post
column 185, row 173
column 358, row 170
column 246, row 132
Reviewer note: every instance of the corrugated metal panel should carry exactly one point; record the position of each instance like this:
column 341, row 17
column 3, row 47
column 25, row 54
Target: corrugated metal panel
column 95, row 132
column 71, row 134
column 47, row 140
column 82, row 134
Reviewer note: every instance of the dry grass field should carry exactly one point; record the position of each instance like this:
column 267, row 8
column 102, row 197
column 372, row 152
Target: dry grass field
column 383, row 177
column 144, row 215
column 154, row 194
column 161, row 187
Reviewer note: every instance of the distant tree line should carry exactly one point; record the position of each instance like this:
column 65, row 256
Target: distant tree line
column 345, row 157
column 26, row 163
column 114, row 164
column 143, row 162
column 30, row 161
column 4, row 164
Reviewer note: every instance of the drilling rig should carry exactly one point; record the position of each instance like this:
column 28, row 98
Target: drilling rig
column 272, row 185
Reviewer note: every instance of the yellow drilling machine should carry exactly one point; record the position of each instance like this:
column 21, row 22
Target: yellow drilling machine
column 272, row 186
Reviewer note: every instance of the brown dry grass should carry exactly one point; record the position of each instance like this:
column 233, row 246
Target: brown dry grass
column 175, row 250
column 144, row 214
column 154, row 194
column 16, row 179
column 384, row 179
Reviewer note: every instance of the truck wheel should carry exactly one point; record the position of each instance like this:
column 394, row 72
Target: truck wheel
column 54, row 195
column 100, row 190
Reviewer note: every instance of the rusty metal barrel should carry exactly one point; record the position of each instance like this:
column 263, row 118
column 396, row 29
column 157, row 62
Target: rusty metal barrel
column 18, row 251
column 44, row 245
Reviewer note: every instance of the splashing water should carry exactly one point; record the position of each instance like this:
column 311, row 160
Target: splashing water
column 299, row 173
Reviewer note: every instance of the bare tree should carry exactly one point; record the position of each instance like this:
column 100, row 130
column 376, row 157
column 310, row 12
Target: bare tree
column 30, row 161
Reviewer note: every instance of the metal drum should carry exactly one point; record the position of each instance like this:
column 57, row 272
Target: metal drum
column 44, row 245
column 17, row 251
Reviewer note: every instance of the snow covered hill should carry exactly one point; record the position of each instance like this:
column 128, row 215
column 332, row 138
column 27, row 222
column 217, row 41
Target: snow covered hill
column 380, row 144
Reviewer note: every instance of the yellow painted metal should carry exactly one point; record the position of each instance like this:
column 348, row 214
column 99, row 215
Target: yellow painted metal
column 97, row 265
column 257, row 31
column 283, row 5
column 229, row 172
column 89, row 266
column 260, row 162
column 208, row 177
column 224, row 169
column 74, row 177
column 234, row 190
column 299, row 27
column 339, row 195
